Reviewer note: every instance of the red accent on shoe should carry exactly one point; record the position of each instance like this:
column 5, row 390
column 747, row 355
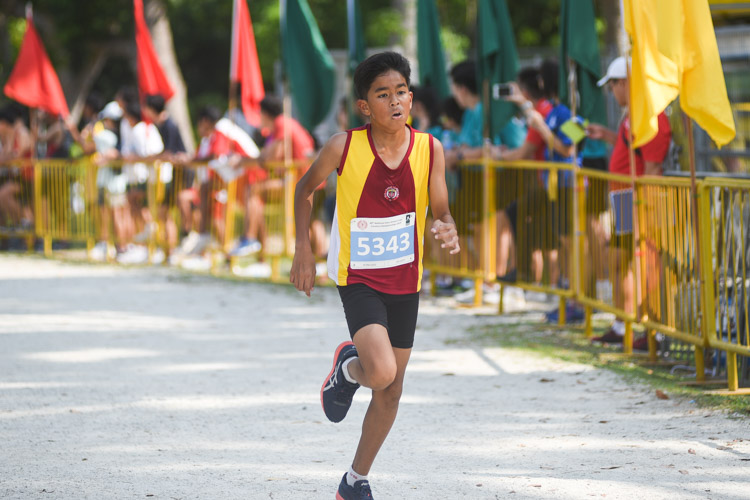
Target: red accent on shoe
column 335, row 357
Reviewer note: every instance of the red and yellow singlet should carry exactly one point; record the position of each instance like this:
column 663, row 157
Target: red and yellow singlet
column 377, row 236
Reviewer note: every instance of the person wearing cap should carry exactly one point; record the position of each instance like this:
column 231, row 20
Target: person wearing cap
column 648, row 161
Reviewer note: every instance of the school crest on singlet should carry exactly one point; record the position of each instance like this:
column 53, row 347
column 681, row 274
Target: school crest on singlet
column 377, row 235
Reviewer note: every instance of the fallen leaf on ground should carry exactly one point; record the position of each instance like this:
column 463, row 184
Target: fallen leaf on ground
column 683, row 472
column 547, row 380
column 691, row 451
column 661, row 395
column 610, row 468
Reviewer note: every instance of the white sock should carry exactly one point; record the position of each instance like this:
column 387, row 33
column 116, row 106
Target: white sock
column 618, row 327
column 352, row 477
column 345, row 368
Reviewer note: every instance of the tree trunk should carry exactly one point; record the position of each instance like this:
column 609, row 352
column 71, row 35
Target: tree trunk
column 408, row 11
column 614, row 38
column 161, row 34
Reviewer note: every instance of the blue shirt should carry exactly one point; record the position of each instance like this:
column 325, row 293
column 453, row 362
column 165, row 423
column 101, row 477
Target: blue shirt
column 559, row 115
column 471, row 128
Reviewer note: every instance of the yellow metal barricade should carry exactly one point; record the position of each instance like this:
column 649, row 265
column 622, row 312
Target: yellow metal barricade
column 65, row 201
column 606, row 264
column 670, row 275
column 467, row 197
column 725, row 236
column 535, row 199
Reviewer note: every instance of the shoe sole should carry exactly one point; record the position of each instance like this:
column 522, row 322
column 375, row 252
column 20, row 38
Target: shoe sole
column 328, row 377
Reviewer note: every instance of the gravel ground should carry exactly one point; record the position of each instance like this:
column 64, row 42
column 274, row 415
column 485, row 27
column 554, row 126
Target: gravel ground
column 145, row 383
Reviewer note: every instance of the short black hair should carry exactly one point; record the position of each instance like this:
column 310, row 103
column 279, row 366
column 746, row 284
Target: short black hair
column 7, row 115
column 378, row 64
column 531, row 81
column 95, row 101
column 128, row 93
column 465, row 74
column 209, row 113
column 272, row 106
column 429, row 99
column 155, row 102
column 452, row 110
column 133, row 109
column 549, row 71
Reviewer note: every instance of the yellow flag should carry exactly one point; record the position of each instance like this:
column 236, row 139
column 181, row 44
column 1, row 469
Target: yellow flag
column 674, row 52
column 703, row 91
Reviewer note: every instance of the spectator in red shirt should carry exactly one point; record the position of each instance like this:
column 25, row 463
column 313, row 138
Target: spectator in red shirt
column 302, row 146
column 225, row 147
column 648, row 161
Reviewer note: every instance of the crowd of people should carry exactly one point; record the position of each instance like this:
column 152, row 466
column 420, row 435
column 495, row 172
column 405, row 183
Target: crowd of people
column 129, row 135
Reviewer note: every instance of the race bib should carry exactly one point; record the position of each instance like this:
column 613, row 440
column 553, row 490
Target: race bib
column 379, row 243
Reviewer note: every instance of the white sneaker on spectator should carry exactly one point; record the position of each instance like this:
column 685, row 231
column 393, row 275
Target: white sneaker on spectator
column 157, row 257
column 188, row 244
column 201, row 244
column 100, row 252
column 133, row 254
column 196, row 263
column 537, row 297
column 145, row 235
column 255, row 270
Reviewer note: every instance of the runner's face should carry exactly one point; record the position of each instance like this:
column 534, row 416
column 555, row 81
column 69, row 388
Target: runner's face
column 388, row 101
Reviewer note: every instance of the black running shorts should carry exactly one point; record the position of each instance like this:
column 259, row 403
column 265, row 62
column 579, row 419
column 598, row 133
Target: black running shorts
column 397, row 313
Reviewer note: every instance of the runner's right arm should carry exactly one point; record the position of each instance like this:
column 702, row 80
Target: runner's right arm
column 303, row 265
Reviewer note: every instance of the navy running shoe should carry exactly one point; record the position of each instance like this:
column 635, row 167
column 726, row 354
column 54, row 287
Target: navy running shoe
column 360, row 490
column 337, row 392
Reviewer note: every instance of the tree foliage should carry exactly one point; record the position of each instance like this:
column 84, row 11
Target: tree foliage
column 74, row 30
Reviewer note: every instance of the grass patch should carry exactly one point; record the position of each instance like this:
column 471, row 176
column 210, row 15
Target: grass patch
column 570, row 344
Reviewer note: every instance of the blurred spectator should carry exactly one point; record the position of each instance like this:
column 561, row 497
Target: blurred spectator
column 143, row 144
column 223, row 145
column 425, row 111
column 648, row 161
column 286, row 132
column 527, row 93
column 15, row 178
column 155, row 112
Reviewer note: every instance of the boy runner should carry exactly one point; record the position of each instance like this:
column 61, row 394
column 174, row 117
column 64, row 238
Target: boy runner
column 387, row 174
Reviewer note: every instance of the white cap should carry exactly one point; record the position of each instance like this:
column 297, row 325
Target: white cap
column 617, row 70
column 112, row 111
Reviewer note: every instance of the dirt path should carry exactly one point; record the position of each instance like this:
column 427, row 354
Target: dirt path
column 148, row 383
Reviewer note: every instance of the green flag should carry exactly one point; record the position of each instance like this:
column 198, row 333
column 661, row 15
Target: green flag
column 307, row 62
column 357, row 54
column 579, row 42
column 430, row 49
column 497, row 60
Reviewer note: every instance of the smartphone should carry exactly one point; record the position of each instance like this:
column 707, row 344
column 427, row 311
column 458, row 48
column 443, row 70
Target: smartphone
column 501, row 90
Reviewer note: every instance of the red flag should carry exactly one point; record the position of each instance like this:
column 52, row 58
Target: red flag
column 33, row 81
column 151, row 77
column 244, row 66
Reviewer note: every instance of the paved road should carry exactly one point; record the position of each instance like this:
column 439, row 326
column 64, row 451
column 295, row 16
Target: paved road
column 140, row 383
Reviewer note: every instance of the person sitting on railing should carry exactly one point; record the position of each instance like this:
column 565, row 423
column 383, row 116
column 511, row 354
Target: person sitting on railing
column 15, row 180
column 648, row 161
column 286, row 132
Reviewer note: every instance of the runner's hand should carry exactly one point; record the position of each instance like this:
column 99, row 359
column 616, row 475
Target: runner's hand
column 302, row 275
column 447, row 233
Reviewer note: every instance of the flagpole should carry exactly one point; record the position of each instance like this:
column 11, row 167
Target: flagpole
column 577, row 231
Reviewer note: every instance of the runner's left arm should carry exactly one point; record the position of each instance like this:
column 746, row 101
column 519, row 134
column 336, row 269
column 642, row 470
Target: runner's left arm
column 443, row 227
